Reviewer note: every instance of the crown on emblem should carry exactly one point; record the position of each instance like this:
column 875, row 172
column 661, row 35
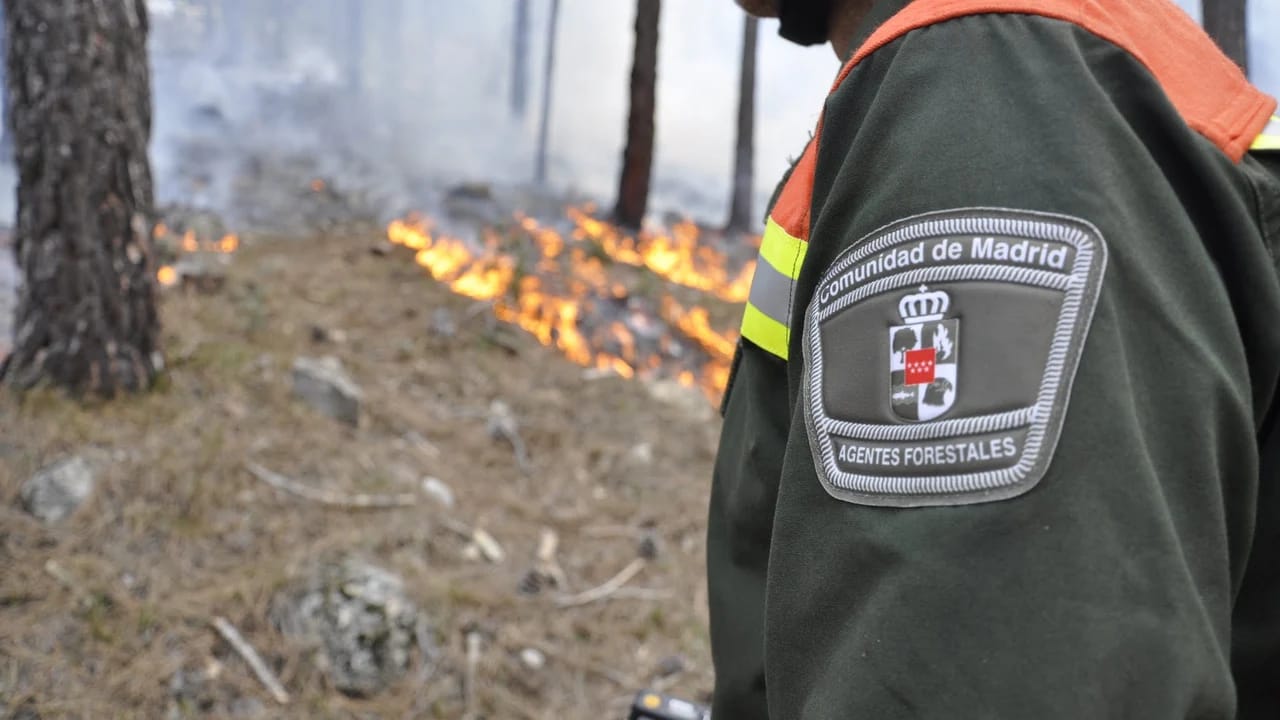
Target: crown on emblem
column 924, row 306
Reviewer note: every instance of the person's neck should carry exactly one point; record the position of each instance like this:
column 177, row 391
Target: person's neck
column 846, row 17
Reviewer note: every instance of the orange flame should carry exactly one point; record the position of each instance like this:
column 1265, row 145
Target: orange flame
column 548, row 299
column 679, row 257
column 167, row 275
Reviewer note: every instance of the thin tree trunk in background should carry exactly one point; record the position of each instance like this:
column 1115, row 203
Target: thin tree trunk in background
column 520, row 61
column 81, row 117
column 1225, row 21
column 355, row 44
column 637, row 159
column 740, row 214
column 548, row 82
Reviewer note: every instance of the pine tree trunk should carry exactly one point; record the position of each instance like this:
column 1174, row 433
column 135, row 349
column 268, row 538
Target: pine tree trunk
column 520, row 60
column 548, row 94
column 740, row 215
column 1225, row 22
column 637, row 159
column 81, row 118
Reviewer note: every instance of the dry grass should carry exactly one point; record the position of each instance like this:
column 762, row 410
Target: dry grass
column 178, row 532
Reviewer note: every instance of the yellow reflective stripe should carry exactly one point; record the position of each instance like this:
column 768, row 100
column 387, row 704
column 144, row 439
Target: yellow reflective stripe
column 784, row 252
column 769, row 334
column 1270, row 137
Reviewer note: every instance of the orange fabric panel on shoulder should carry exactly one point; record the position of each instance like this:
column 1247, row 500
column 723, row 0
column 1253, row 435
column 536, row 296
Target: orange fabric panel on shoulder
column 791, row 211
column 1211, row 93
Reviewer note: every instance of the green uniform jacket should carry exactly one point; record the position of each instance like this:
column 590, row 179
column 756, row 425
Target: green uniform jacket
column 1137, row 574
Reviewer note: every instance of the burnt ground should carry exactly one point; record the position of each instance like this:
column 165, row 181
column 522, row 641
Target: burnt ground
column 107, row 614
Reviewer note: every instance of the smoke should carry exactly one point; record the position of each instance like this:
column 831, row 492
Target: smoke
column 237, row 81
column 427, row 104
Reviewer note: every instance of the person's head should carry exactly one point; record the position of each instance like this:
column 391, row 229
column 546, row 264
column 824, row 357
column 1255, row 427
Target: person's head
column 807, row 22
column 813, row 22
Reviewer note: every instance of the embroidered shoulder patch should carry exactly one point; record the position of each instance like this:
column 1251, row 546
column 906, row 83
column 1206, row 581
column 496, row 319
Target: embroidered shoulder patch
column 939, row 354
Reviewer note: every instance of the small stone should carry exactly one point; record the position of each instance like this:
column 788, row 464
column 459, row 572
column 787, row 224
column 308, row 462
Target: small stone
column 321, row 335
column 324, row 385
column 57, row 491
column 531, row 583
column 203, row 272
column 670, row 665
column 650, row 546
column 439, row 491
column 443, row 324
column 533, row 659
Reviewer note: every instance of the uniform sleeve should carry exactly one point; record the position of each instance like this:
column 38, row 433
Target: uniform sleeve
column 1100, row 583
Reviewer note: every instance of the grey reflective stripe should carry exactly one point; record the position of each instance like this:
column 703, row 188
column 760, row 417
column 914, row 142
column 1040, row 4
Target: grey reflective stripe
column 771, row 292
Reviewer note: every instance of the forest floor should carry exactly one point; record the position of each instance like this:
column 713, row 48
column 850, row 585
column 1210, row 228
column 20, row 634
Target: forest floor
column 108, row 613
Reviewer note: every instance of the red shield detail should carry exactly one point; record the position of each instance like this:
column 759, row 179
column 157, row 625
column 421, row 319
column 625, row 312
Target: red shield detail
column 921, row 366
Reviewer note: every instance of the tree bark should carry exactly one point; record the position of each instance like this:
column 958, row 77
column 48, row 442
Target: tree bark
column 637, row 159
column 81, row 117
column 520, row 60
column 740, row 214
column 548, row 87
column 1225, row 22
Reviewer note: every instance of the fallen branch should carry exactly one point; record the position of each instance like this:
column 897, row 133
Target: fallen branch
column 612, row 586
column 325, row 497
column 250, row 656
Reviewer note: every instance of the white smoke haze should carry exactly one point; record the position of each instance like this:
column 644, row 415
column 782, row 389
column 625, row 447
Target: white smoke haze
column 433, row 102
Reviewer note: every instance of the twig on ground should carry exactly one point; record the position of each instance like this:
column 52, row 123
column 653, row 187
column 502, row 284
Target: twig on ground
column 644, row 594
column 548, row 564
column 360, row 501
column 250, row 656
column 601, row 592
column 473, row 665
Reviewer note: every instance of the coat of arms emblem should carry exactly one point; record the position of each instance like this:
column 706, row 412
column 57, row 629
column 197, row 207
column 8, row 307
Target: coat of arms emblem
column 923, row 357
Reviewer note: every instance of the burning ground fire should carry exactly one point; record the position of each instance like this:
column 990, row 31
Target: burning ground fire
column 558, row 285
column 169, row 275
column 551, row 293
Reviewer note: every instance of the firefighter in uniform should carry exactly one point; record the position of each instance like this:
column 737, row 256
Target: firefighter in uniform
column 1001, row 436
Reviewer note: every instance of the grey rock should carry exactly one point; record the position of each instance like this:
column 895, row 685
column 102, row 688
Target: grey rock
column 670, row 665
column 57, row 491
column 361, row 620
column 203, row 272
column 443, row 324
column 324, row 385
